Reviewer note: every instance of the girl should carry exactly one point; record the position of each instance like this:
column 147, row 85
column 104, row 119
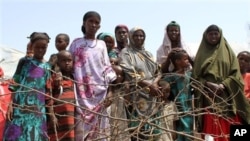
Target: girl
column 244, row 61
column 110, row 43
column 180, row 91
column 93, row 74
column 4, row 101
column 26, row 114
column 63, row 89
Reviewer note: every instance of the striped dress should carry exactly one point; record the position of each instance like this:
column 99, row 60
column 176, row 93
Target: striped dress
column 64, row 112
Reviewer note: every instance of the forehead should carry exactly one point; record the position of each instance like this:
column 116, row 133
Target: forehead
column 60, row 37
column 172, row 27
column 40, row 42
column 121, row 29
column 64, row 55
column 93, row 18
column 244, row 55
column 138, row 32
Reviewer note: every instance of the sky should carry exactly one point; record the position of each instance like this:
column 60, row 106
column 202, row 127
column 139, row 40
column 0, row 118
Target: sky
column 19, row 18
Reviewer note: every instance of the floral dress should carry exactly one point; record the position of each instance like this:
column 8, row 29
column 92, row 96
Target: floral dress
column 29, row 116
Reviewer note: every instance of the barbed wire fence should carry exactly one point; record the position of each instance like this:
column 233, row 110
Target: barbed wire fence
column 117, row 120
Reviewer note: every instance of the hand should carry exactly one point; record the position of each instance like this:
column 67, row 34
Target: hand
column 54, row 120
column 107, row 102
column 155, row 90
column 10, row 112
column 215, row 88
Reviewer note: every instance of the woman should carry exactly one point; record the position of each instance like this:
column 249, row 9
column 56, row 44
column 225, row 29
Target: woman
column 93, row 74
column 121, row 35
column 172, row 39
column 218, row 86
column 143, row 73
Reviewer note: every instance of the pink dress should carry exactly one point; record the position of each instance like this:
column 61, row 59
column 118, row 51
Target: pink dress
column 93, row 73
column 5, row 96
column 246, row 78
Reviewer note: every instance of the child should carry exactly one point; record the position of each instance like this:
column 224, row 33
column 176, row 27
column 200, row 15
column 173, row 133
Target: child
column 110, row 43
column 93, row 74
column 4, row 101
column 169, row 113
column 244, row 62
column 26, row 114
column 63, row 89
column 180, row 91
column 61, row 43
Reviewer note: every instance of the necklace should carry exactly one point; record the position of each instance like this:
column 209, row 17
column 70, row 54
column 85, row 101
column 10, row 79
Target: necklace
column 90, row 43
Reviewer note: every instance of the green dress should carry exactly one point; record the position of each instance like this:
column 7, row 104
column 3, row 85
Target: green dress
column 29, row 117
column 181, row 94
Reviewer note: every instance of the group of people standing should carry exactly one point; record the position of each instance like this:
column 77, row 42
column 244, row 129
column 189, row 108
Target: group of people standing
column 111, row 88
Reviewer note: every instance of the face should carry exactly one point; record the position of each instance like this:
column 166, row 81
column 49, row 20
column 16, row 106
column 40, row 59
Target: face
column 110, row 43
column 61, row 44
column 138, row 38
column 213, row 37
column 165, row 89
column 39, row 48
column 92, row 24
column 174, row 33
column 184, row 61
column 113, row 61
column 65, row 62
column 29, row 52
column 244, row 62
column 121, row 35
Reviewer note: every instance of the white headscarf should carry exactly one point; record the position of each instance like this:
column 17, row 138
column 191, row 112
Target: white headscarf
column 166, row 47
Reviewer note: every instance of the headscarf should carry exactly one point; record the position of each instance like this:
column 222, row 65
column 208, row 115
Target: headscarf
column 121, row 26
column 166, row 46
column 218, row 64
column 104, row 34
column 131, row 40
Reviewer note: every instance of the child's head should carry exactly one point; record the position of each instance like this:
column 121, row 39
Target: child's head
column 62, row 41
column 244, row 61
column 119, row 73
column 113, row 61
column 165, row 89
column 29, row 51
column 39, row 43
column 108, row 39
column 91, row 23
column 179, row 58
column 65, row 62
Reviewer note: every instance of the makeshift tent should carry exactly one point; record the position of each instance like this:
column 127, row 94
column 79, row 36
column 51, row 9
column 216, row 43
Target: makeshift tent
column 8, row 60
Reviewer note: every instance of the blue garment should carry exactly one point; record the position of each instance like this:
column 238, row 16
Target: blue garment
column 29, row 116
column 181, row 94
